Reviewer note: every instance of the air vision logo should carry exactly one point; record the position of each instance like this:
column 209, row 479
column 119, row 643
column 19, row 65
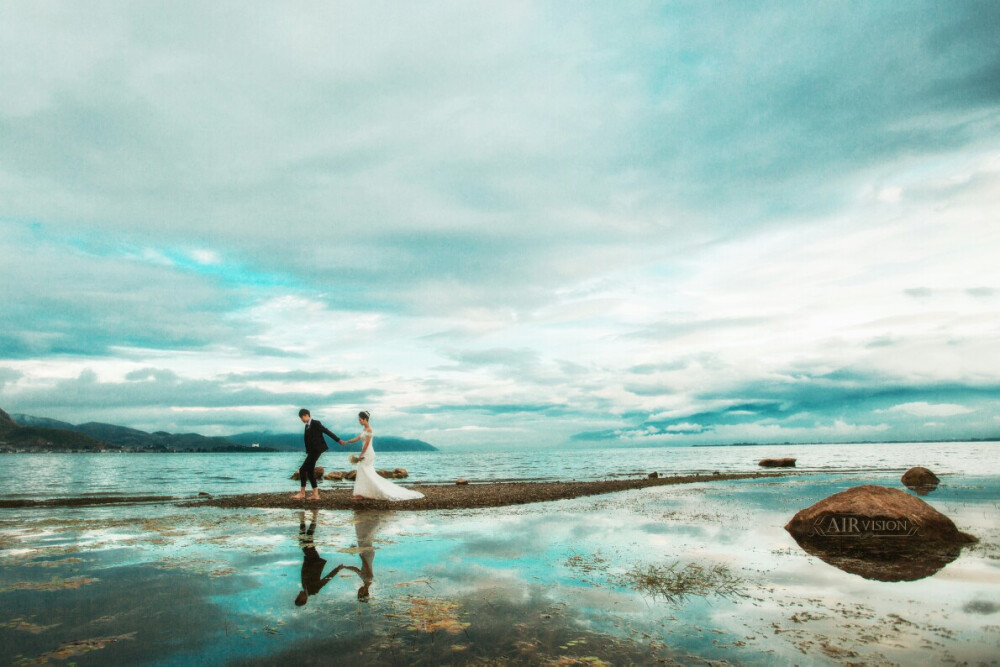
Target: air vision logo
column 849, row 525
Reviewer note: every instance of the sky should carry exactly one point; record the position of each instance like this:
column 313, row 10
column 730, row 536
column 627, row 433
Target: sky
column 504, row 224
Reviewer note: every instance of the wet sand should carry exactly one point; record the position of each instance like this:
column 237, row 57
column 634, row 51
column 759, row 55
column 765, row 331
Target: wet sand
column 83, row 501
column 454, row 496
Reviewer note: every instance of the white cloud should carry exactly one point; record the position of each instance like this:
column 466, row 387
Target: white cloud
column 924, row 409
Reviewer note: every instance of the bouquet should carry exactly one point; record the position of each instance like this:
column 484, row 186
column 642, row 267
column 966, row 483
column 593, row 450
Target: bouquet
column 354, row 458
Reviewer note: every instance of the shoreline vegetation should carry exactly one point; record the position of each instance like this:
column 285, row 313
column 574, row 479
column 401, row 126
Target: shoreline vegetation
column 436, row 496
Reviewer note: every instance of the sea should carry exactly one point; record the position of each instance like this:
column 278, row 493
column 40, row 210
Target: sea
column 42, row 476
column 687, row 574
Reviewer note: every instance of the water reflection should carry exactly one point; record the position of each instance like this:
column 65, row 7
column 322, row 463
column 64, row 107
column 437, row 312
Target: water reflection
column 313, row 564
column 366, row 526
column 880, row 560
column 922, row 489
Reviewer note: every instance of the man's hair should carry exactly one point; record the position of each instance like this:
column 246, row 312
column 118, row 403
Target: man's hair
column 303, row 412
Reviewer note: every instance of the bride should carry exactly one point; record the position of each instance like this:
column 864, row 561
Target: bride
column 368, row 483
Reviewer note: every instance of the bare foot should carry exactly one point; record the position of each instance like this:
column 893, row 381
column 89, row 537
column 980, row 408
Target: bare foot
column 299, row 496
column 314, row 496
column 357, row 497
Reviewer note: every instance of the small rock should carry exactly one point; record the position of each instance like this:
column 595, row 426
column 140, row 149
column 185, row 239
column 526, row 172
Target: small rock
column 461, row 481
column 400, row 473
column 334, row 475
column 777, row 463
column 654, row 475
column 351, row 475
column 319, row 473
column 204, row 494
column 921, row 480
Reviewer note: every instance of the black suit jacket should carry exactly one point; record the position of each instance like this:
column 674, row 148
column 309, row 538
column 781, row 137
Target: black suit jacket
column 314, row 437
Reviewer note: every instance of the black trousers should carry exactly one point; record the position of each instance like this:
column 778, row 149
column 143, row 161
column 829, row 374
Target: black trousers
column 308, row 469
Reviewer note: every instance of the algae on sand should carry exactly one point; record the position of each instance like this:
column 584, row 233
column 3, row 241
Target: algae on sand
column 675, row 583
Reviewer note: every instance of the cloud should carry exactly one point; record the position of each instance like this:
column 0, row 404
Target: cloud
column 615, row 220
column 924, row 409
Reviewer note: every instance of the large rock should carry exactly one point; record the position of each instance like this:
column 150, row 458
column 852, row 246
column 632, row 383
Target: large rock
column 351, row 475
column 777, row 463
column 878, row 533
column 334, row 475
column 400, row 473
column 921, row 480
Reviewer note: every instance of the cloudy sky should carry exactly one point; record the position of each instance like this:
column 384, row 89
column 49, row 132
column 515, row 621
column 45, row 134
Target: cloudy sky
column 508, row 223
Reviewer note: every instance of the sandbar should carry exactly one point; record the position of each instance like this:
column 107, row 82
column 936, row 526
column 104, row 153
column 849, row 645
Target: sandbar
column 454, row 496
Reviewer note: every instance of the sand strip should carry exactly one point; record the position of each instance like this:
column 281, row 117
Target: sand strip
column 453, row 496
column 82, row 501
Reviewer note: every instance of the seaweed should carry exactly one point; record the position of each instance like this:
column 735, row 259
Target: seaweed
column 76, row 648
column 675, row 583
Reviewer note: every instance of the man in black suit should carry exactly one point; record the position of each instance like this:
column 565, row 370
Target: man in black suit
column 315, row 446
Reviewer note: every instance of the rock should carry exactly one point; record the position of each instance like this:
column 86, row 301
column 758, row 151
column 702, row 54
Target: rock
column 384, row 473
column 461, row 481
column 319, row 473
column 400, row 473
column 878, row 533
column 653, row 475
column 777, row 463
column 334, row 475
column 204, row 494
column 351, row 475
column 921, row 480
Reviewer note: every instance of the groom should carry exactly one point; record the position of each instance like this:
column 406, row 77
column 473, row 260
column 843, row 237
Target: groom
column 315, row 446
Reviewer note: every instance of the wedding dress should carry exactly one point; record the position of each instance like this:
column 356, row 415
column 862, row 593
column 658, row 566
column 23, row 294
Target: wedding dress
column 370, row 484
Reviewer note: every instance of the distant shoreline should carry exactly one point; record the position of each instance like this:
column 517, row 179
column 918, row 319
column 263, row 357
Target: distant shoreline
column 854, row 442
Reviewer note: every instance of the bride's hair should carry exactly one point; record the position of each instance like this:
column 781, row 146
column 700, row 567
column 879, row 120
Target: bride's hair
column 364, row 414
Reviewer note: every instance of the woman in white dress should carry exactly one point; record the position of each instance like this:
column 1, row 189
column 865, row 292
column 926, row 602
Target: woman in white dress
column 368, row 483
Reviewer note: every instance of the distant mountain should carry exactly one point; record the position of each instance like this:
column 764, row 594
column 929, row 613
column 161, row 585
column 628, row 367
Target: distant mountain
column 42, row 422
column 130, row 437
column 45, row 433
column 35, row 437
column 28, row 431
column 7, row 424
column 293, row 442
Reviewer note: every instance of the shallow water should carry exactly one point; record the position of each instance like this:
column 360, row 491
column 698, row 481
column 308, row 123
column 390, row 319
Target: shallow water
column 531, row 584
column 63, row 475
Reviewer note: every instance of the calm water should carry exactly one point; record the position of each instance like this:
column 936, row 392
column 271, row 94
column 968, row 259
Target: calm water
column 549, row 583
column 62, row 475
column 558, row 583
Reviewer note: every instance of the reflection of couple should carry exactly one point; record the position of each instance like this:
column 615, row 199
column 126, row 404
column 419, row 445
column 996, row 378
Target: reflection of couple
column 368, row 483
column 365, row 527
